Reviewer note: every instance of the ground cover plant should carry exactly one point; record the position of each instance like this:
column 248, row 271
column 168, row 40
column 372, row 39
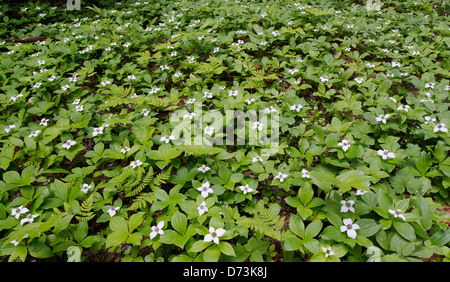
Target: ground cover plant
column 90, row 167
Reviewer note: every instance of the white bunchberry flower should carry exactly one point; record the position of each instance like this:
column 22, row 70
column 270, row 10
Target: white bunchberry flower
column 427, row 119
column 440, row 127
column 29, row 218
column 347, row 206
column 124, row 150
column 167, row 138
column 136, row 163
column 145, row 112
column 327, row 251
column 385, row 154
column 350, row 227
column 112, row 211
column 34, row 133
column 214, row 235
column 246, row 189
column 403, row 108
column 281, row 176
column 203, row 168
column 85, row 188
column 97, row 131
column 44, row 122
column 270, row 109
column 397, row 213
column 296, row 107
column 293, row 71
column 157, row 229
column 345, row 144
column 257, row 159
column 382, row 118
column 209, row 130
column 359, row 80
column 79, row 108
column 233, row 93
column 189, row 116
column 18, row 211
column 324, row 78
column 105, row 82
column 430, row 85
column 258, row 126
column 205, row 189
column 305, row 173
column 360, row 192
column 9, row 127
column 202, row 208
column 68, row 144
column 396, row 64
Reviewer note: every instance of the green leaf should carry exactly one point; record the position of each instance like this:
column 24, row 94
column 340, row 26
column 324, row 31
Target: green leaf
column 226, row 249
column 211, row 254
column 423, row 163
column 439, row 151
column 60, row 190
column 12, row 177
column 296, row 225
column 405, row 230
column 292, row 243
column 199, row 246
column 313, row 229
column 384, row 200
column 118, row 223
column 328, row 58
column 179, row 222
column 116, row 238
column 440, row 238
column 424, row 213
column 134, row 238
column 333, row 233
column 305, row 193
column 368, row 227
column 135, row 220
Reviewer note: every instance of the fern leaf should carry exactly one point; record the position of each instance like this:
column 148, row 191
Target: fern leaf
column 264, row 221
column 145, row 182
column 86, row 213
column 144, row 57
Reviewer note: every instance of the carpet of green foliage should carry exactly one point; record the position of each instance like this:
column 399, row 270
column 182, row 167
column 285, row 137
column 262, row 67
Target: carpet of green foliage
column 361, row 171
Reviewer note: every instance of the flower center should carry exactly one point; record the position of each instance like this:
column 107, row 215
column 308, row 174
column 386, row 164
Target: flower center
column 348, row 204
column 349, row 226
column 214, row 234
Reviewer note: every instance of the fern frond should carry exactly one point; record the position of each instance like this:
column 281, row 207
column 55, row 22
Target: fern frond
column 144, row 57
column 209, row 69
column 145, row 181
column 86, row 213
column 137, row 179
column 87, row 71
column 161, row 179
column 143, row 200
column 264, row 221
